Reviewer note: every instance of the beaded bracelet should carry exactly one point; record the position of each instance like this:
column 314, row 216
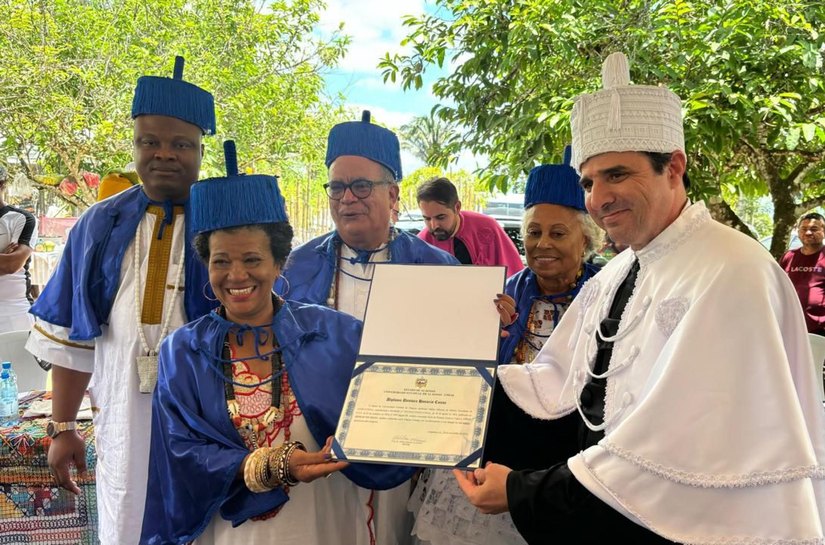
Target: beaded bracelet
column 283, row 465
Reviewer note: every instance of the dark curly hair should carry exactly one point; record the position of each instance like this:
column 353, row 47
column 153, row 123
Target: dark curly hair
column 279, row 235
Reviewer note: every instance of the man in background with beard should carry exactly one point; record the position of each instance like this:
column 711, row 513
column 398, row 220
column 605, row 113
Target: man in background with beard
column 473, row 238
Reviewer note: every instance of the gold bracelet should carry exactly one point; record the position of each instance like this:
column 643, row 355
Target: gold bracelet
column 283, row 466
column 255, row 468
column 272, row 464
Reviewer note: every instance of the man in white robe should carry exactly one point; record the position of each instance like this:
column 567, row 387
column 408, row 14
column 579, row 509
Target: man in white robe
column 126, row 279
column 685, row 362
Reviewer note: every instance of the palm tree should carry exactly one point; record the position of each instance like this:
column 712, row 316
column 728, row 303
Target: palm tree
column 431, row 139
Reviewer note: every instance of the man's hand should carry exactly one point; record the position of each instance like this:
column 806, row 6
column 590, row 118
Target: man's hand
column 67, row 448
column 485, row 488
column 11, row 247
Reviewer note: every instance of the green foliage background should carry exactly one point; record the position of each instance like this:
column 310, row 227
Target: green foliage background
column 68, row 71
column 750, row 73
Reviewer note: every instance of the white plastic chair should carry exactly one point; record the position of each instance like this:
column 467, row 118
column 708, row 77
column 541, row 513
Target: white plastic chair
column 30, row 376
column 818, row 350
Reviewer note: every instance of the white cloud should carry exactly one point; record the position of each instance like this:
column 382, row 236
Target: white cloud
column 374, row 27
column 388, row 118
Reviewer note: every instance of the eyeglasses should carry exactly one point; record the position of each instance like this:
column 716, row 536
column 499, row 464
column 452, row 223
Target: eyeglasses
column 360, row 188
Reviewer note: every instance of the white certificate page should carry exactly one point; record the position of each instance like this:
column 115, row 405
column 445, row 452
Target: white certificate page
column 413, row 414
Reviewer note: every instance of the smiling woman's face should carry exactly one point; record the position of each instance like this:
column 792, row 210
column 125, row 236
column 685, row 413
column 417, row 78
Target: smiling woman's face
column 554, row 241
column 242, row 272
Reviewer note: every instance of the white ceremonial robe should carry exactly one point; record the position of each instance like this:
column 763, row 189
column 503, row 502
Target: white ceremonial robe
column 715, row 432
column 123, row 414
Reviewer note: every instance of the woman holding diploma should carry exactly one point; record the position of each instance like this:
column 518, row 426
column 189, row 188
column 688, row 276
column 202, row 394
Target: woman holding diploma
column 248, row 395
column 559, row 236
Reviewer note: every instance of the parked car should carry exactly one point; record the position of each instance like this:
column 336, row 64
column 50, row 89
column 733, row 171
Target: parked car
column 505, row 207
column 794, row 244
column 512, row 226
column 410, row 221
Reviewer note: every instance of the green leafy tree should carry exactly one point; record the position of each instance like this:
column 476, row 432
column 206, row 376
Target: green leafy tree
column 69, row 69
column 749, row 72
column 471, row 191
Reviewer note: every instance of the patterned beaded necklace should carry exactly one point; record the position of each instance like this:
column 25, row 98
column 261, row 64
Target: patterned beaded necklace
column 532, row 340
column 283, row 407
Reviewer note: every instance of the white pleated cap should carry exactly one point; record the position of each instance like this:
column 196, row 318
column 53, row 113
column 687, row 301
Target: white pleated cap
column 625, row 117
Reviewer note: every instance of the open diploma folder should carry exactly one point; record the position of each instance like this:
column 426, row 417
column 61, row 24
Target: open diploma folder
column 423, row 381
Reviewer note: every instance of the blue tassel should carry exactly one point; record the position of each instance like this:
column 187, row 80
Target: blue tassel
column 178, row 71
column 363, row 139
column 230, row 155
column 236, row 199
column 174, row 97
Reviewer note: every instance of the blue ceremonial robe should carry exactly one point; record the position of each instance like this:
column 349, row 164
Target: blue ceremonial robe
column 80, row 294
column 524, row 288
column 310, row 268
column 196, row 450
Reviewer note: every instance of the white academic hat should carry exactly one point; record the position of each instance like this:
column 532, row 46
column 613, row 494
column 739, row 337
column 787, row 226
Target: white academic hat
column 625, row 117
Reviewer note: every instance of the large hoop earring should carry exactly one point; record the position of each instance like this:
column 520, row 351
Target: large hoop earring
column 286, row 281
column 205, row 296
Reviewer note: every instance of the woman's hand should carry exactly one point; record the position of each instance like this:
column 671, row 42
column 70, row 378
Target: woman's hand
column 506, row 307
column 308, row 466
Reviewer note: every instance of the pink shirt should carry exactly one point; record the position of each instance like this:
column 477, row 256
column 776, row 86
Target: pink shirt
column 484, row 238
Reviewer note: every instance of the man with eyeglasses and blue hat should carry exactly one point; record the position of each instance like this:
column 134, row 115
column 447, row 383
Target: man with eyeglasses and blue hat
column 127, row 278
column 364, row 162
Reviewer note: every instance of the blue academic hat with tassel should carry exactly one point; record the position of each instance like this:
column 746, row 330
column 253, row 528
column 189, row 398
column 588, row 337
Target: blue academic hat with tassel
column 236, row 199
column 174, row 97
column 554, row 184
column 363, row 139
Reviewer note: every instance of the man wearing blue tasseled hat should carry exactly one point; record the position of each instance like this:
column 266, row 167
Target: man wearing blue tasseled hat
column 126, row 279
column 364, row 162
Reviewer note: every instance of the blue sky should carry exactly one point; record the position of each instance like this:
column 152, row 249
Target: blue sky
column 375, row 27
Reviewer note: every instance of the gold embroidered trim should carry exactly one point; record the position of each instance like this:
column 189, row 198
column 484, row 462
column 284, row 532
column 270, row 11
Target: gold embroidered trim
column 158, row 267
column 59, row 340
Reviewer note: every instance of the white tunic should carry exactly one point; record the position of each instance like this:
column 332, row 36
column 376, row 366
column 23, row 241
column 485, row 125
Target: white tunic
column 714, row 428
column 122, row 430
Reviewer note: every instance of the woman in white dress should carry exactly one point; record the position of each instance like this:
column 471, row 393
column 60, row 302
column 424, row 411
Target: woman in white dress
column 248, row 396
